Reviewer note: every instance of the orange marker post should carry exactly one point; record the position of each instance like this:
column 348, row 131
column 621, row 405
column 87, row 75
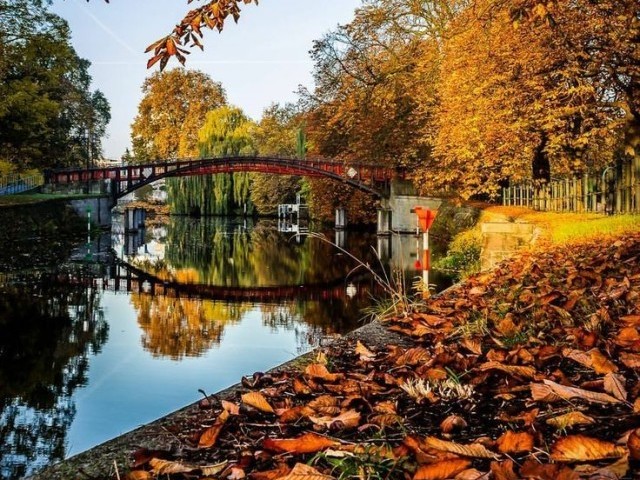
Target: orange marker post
column 426, row 218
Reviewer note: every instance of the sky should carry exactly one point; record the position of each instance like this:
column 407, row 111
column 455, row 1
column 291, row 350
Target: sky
column 261, row 60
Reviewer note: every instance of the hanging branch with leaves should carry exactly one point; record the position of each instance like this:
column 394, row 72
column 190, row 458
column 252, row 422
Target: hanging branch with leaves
column 188, row 33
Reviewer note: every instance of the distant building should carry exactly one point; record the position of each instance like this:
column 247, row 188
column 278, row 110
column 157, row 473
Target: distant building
column 108, row 162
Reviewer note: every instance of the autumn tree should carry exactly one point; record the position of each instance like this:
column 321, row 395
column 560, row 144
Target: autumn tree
column 171, row 112
column 225, row 132
column 276, row 134
column 528, row 90
column 375, row 91
column 49, row 116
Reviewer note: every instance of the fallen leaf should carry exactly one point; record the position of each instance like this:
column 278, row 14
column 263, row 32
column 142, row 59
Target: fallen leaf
column 230, row 407
column 547, row 471
column 237, row 473
column 580, row 448
column 414, row 356
column 631, row 360
column 633, row 444
column 305, row 472
column 452, row 423
column 281, row 471
column 320, row 372
column 257, row 400
column 473, row 345
column 614, row 384
column 210, row 470
column 503, row 470
column 301, row 388
column 325, row 405
column 307, row 443
column 344, row 421
column 600, row 363
column 551, row 392
column 475, row 450
column 139, row 475
column 166, row 467
column 441, row 470
column 210, row 435
column 294, row 414
column 512, row 442
column 471, row 474
column 570, row 419
column 365, row 354
column 514, row 370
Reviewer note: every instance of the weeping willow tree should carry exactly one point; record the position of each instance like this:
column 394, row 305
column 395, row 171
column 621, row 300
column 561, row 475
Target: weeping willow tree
column 226, row 132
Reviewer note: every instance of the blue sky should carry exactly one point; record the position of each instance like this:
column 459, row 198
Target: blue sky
column 259, row 61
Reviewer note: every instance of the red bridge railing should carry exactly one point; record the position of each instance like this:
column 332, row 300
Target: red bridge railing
column 131, row 177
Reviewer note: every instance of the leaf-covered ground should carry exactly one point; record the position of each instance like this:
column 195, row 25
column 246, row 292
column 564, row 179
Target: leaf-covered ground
column 530, row 371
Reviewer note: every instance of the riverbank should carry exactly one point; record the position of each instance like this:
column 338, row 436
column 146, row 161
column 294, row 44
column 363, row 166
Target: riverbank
column 527, row 371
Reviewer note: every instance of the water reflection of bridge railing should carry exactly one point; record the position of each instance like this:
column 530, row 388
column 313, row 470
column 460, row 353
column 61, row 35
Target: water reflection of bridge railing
column 123, row 277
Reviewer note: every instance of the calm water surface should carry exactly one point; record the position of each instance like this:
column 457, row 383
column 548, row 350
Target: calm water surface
column 90, row 349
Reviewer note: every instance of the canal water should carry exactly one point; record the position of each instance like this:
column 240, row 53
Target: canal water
column 103, row 336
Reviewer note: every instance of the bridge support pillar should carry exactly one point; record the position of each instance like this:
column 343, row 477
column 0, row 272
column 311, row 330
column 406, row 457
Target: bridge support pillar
column 384, row 221
column 134, row 219
column 341, row 218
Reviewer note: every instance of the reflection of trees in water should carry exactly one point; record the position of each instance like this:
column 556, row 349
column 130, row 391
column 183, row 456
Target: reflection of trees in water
column 230, row 255
column 47, row 332
column 183, row 327
column 313, row 320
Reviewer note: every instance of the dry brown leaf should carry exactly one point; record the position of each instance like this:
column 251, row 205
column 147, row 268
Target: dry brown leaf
column 365, row 354
column 346, row 420
column 441, row 470
column 139, row 475
column 452, row 423
column 631, row 319
column 210, row 470
column 503, row 470
column 305, row 472
column 512, row 442
column 320, row 372
column 514, row 370
column 167, row 467
column 210, row 435
column 633, row 444
column 627, row 336
column 580, row 448
column 281, row 471
column 600, row 363
column 631, row 360
column 594, row 359
column 547, row 471
column 301, row 388
column 471, row 474
column 614, row 384
column 237, row 473
column 231, row 407
column 551, row 391
column 325, row 405
column 294, row 414
column 307, row 443
column 413, row 356
column 475, row 450
column 472, row 344
column 570, row 419
column 257, row 401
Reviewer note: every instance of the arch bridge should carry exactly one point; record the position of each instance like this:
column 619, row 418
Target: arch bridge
column 371, row 179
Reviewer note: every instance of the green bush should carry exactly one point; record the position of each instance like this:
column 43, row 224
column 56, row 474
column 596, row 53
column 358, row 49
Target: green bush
column 463, row 254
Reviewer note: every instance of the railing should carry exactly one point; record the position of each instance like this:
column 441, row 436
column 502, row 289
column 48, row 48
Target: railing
column 616, row 189
column 18, row 183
